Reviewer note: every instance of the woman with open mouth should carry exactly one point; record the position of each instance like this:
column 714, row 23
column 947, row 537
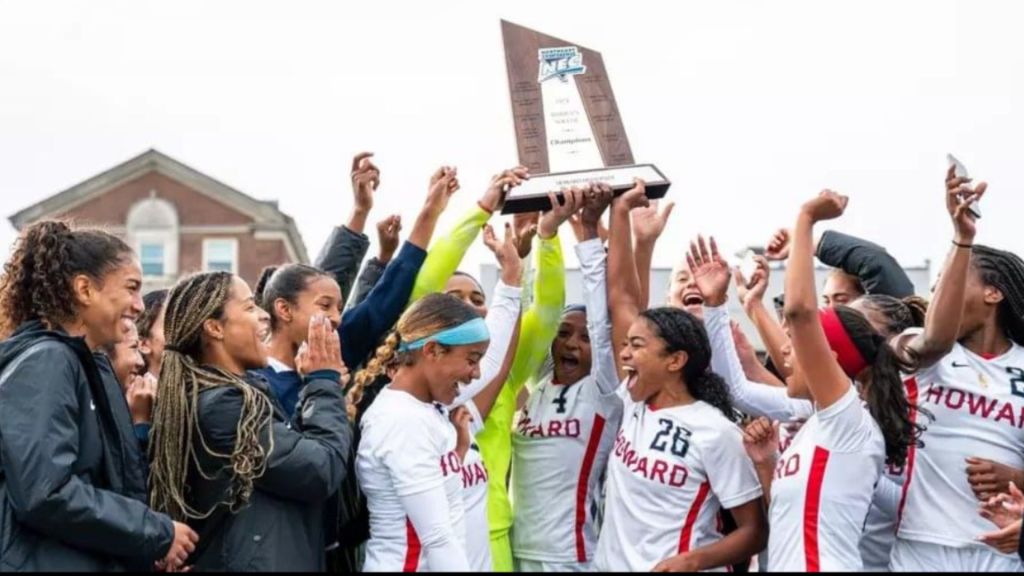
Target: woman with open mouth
column 565, row 433
column 409, row 461
column 678, row 458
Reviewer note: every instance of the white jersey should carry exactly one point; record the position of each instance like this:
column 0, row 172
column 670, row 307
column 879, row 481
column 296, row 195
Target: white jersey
column 474, row 495
column 407, row 447
column 978, row 406
column 671, row 472
column 823, row 487
column 560, row 447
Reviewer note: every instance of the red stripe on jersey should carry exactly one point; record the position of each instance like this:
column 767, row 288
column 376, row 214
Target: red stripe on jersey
column 412, row 550
column 691, row 517
column 912, row 394
column 583, row 486
column 812, row 507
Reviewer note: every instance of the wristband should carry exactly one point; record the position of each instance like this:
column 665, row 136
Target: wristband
column 959, row 245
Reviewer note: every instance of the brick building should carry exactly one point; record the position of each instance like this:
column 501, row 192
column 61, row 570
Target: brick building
column 178, row 220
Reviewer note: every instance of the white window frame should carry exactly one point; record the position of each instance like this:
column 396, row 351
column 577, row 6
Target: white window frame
column 163, row 257
column 206, row 253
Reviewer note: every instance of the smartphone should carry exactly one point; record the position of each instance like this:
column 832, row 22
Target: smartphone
column 961, row 172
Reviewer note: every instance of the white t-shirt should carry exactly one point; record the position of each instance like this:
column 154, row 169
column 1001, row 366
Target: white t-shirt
column 560, row 446
column 670, row 473
column 978, row 406
column 407, row 447
column 474, row 494
column 823, row 487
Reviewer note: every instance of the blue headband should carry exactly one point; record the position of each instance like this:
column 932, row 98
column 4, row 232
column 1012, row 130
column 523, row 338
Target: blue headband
column 472, row 332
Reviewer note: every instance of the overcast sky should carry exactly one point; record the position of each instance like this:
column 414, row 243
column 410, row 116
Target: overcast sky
column 749, row 107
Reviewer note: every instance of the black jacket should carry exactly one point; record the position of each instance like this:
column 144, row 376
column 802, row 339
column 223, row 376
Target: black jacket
column 341, row 257
column 877, row 270
column 72, row 497
column 282, row 527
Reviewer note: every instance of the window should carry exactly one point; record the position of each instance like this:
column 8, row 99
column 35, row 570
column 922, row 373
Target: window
column 152, row 259
column 220, row 255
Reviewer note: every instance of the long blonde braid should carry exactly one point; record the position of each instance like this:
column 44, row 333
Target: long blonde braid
column 176, row 422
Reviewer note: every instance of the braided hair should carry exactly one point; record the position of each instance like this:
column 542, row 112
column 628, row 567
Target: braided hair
column 885, row 395
column 36, row 281
column 429, row 315
column 683, row 332
column 177, row 440
column 1005, row 271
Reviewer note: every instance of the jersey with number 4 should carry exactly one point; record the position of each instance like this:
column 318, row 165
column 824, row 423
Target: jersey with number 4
column 978, row 409
column 670, row 474
column 560, row 448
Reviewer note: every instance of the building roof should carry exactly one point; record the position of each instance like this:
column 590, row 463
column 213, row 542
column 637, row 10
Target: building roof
column 266, row 215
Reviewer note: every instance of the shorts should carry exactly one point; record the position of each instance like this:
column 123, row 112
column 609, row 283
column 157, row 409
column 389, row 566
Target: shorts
column 914, row 556
column 524, row 565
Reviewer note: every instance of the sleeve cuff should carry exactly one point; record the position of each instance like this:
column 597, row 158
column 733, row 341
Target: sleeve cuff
column 410, row 252
column 358, row 236
column 589, row 249
column 710, row 311
column 502, row 290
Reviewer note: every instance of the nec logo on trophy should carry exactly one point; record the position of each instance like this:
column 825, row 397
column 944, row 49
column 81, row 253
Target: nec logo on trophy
column 568, row 128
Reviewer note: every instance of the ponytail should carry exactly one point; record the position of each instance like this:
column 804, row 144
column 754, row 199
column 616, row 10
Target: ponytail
column 283, row 283
column 261, row 288
column 378, row 365
column 885, row 394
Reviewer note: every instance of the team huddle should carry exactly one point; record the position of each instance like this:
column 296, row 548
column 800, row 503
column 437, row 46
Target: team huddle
column 390, row 416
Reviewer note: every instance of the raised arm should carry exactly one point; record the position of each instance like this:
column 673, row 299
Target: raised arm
column 388, row 236
column 826, row 379
column 648, row 224
column 447, row 252
column 945, row 313
column 346, row 247
column 751, row 293
column 624, row 296
column 502, row 324
column 593, row 262
column 443, row 184
column 876, row 269
column 711, row 274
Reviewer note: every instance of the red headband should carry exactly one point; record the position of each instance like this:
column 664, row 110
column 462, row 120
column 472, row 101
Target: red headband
column 848, row 356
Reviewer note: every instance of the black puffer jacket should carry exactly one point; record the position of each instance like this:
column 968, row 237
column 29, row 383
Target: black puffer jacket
column 282, row 528
column 72, row 496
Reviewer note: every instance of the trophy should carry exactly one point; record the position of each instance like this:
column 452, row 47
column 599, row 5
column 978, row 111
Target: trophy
column 568, row 129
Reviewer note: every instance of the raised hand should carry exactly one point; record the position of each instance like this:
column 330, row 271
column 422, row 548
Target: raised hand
column 710, row 272
column 1005, row 512
column 635, row 197
column 959, row 198
column 751, row 290
column 494, row 198
column 649, row 223
column 388, row 237
column 141, row 396
column 550, row 221
column 524, row 228
column 597, row 198
column 506, row 253
column 443, row 184
column 322, row 349
column 761, row 440
column 365, row 180
column 828, row 205
column 777, row 248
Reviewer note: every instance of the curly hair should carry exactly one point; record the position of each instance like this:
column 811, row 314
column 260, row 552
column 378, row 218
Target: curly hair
column 177, row 440
column 682, row 332
column 48, row 255
column 429, row 315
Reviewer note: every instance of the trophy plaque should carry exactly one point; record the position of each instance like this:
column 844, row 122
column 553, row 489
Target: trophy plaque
column 568, row 128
